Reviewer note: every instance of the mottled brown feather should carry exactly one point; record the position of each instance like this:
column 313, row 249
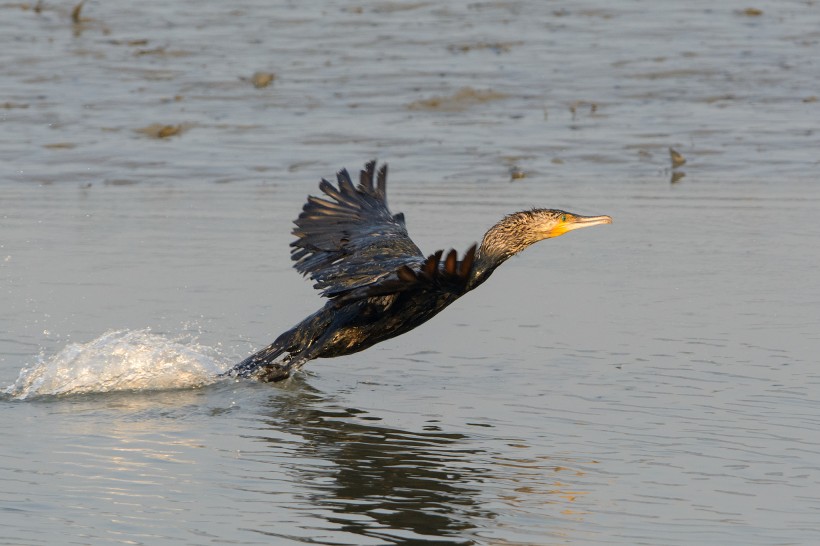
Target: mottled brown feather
column 431, row 265
column 450, row 263
column 406, row 274
column 467, row 263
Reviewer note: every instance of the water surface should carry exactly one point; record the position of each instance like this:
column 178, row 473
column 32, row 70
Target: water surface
column 649, row 382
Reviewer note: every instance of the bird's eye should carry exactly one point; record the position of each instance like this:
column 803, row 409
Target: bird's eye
column 563, row 217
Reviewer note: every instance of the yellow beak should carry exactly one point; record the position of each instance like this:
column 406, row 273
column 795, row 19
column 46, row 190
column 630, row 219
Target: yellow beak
column 573, row 221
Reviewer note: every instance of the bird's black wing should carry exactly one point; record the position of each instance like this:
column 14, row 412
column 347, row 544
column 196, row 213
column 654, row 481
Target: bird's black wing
column 434, row 275
column 352, row 239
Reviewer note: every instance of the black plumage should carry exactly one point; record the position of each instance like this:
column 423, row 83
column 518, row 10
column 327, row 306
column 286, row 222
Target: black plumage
column 377, row 281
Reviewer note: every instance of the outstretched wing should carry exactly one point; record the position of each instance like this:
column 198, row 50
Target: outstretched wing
column 450, row 276
column 352, row 240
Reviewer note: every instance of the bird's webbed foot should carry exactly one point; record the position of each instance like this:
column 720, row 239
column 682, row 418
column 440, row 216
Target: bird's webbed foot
column 273, row 373
column 277, row 371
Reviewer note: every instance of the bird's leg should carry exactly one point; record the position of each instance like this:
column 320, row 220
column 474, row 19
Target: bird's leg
column 279, row 371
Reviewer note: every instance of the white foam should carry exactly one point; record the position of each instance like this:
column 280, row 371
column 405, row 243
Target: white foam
column 116, row 361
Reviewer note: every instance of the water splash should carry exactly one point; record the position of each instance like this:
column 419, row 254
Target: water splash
column 116, row 361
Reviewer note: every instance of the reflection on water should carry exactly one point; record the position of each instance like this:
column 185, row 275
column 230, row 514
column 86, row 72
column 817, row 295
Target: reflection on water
column 299, row 466
column 384, row 483
column 401, row 486
column 360, row 477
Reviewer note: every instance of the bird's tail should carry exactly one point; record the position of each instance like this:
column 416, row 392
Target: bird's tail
column 296, row 342
column 250, row 365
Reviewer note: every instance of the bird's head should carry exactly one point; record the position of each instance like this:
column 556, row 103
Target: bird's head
column 517, row 231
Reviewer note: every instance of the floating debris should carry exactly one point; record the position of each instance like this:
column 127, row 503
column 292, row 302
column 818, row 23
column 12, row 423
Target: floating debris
column 677, row 158
column 496, row 47
column 460, row 100
column 169, row 130
column 513, row 162
column 573, row 108
column 131, row 43
column 162, row 51
column 60, row 146
column 677, row 161
column 158, row 130
column 75, row 13
column 752, row 12
column 155, row 51
column 262, row 79
column 175, row 98
column 517, row 174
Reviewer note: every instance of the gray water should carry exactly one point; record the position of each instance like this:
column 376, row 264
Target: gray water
column 654, row 381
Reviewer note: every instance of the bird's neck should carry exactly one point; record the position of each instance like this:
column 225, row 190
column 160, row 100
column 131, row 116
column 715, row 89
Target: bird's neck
column 501, row 242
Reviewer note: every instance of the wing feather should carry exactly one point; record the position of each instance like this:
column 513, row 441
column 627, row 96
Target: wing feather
column 450, row 276
column 366, row 176
column 450, row 263
column 382, row 182
column 349, row 239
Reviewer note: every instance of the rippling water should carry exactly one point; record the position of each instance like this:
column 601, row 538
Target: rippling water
column 650, row 382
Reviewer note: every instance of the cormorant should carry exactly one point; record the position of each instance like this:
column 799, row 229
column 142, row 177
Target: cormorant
column 378, row 283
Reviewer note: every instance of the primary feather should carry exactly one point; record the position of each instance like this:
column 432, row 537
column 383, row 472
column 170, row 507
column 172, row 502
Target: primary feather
column 351, row 239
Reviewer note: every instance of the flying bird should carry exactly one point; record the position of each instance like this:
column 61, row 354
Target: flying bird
column 377, row 282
